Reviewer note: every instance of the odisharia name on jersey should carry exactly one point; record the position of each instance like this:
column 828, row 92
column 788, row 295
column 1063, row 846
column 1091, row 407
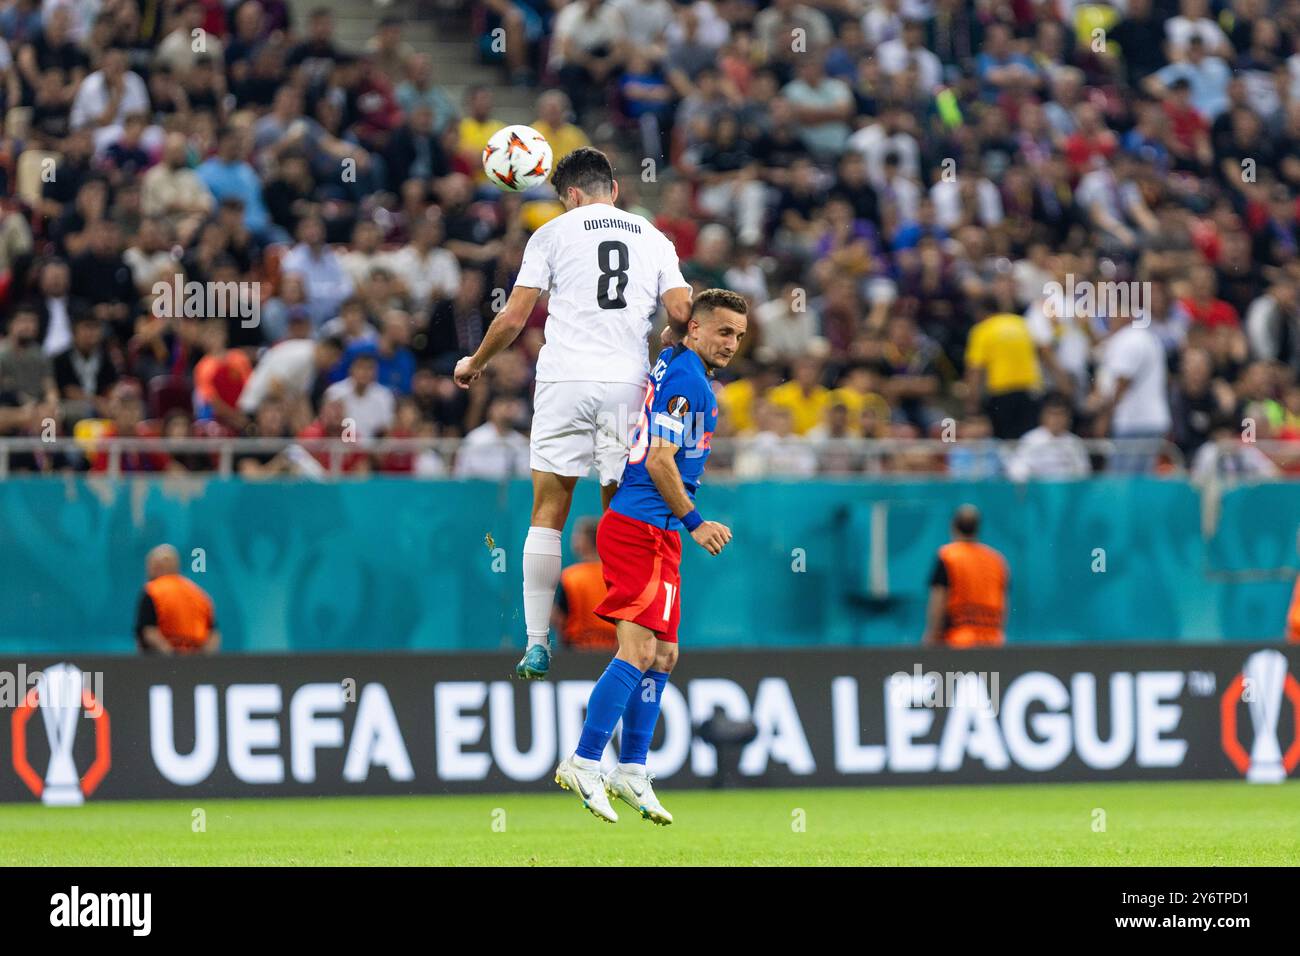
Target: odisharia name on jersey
column 590, row 224
column 606, row 271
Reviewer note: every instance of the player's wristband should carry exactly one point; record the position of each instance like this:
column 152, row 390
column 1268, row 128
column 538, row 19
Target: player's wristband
column 691, row 520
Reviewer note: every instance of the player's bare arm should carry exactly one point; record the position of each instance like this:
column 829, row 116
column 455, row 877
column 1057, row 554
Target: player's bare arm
column 934, row 613
column 153, row 637
column 678, row 304
column 662, row 465
column 505, row 328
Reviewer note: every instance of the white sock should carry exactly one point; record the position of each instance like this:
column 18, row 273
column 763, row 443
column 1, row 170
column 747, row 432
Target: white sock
column 637, row 769
column 541, row 578
column 585, row 763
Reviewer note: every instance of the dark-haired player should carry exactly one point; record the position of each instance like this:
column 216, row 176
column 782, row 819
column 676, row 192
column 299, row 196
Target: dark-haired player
column 607, row 271
column 640, row 550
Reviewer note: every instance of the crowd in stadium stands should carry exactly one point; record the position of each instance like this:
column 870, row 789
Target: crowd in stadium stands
column 897, row 186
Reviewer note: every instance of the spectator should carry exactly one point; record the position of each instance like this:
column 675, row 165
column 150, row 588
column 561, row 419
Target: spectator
column 26, row 372
column 109, row 95
column 476, row 128
column 84, row 373
column 804, row 396
column 974, row 456
column 822, row 107
column 585, row 43
column 333, row 423
column 366, row 403
column 417, row 89
column 1202, row 303
column 390, row 52
column 1002, row 373
column 220, row 377
column 269, row 423
column 173, row 191
column 363, row 253
column 415, row 150
column 126, row 420
column 909, row 363
column 899, row 52
column 313, row 60
column 326, row 283
column 455, row 326
column 1050, row 450
column 1131, row 400
column 495, row 450
column 970, row 155
column 1226, row 455
column 777, row 450
column 228, row 175
column 427, row 270
column 177, row 48
column 1199, row 402
column 394, row 362
column 292, row 369
column 553, row 112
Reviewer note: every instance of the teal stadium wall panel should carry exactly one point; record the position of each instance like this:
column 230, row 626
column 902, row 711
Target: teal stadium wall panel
column 397, row 564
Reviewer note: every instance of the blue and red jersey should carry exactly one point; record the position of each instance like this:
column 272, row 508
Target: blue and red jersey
column 680, row 408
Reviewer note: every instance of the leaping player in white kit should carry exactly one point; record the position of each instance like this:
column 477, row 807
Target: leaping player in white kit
column 607, row 270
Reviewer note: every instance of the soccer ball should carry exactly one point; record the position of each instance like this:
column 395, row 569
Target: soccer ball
column 517, row 158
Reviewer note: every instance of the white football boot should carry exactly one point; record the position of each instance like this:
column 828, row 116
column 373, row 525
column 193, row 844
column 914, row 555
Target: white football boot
column 633, row 788
column 589, row 785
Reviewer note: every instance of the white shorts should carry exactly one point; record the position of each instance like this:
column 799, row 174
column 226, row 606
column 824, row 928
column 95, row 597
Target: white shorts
column 578, row 423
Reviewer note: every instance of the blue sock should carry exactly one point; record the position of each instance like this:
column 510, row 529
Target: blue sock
column 608, row 698
column 640, row 717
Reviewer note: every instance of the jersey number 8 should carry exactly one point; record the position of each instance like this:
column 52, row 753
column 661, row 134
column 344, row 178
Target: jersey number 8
column 612, row 258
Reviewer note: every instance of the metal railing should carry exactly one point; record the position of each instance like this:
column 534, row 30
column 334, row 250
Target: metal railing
column 750, row 457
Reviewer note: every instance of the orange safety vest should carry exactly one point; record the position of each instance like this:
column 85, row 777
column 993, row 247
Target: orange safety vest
column 184, row 611
column 584, row 588
column 977, row 595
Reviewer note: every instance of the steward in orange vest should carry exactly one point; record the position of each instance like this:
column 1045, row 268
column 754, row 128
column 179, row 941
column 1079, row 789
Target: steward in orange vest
column 968, row 589
column 174, row 615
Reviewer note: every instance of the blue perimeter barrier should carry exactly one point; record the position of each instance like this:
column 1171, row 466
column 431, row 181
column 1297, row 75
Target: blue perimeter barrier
column 400, row 564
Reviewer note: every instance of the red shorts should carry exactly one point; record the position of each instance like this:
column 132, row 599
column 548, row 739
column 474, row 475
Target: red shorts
column 641, row 566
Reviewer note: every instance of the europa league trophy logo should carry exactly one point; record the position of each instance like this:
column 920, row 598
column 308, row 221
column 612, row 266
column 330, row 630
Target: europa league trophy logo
column 1265, row 675
column 58, row 689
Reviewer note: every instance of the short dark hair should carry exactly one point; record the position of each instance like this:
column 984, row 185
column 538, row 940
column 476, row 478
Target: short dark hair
column 711, row 299
column 1057, row 401
column 587, row 169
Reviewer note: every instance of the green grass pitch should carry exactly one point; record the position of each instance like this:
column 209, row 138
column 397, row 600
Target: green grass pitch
column 1227, row 823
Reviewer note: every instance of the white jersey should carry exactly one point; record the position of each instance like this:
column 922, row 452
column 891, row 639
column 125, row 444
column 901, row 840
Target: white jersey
column 606, row 270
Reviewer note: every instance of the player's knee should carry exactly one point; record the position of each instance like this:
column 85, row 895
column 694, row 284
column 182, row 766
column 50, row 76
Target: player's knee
column 640, row 654
column 665, row 658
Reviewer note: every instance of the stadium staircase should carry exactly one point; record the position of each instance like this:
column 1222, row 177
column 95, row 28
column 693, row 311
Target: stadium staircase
column 440, row 28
